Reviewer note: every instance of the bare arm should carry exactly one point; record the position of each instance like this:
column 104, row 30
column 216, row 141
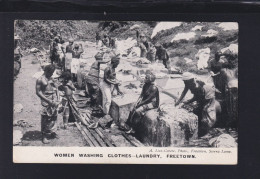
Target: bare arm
column 106, row 77
column 150, row 97
column 191, row 100
column 156, row 55
column 39, row 92
column 167, row 55
column 82, row 50
column 70, row 85
column 103, row 62
column 184, row 92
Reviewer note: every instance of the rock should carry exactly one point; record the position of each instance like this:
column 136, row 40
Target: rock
column 17, row 137
column 18, row 108
column 151, row 131
column 164, row 26
column 203, row 56
column 169, row 127
column 188, row 60
column 210, row 33
column 223, row 141
column 121, row 107
column 21, row 123
column 197, row 28
column 183, row 124
column 184, row 36
column 133, row 27
column 232, row 47
column 34, row 50
column 228, row 26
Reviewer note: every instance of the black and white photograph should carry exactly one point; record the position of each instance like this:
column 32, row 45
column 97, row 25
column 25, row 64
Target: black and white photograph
column 161, row 86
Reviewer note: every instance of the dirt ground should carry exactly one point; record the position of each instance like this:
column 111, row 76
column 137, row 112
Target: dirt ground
column 24, row 94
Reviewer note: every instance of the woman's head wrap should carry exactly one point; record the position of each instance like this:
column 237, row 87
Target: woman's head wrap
column 187, row 76
column 115, row 59
column 99, row 56
column 150, row 76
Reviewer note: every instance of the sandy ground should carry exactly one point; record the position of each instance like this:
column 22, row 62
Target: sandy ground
column 24, row 93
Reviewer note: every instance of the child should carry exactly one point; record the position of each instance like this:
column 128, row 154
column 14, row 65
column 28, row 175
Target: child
column 68, row 88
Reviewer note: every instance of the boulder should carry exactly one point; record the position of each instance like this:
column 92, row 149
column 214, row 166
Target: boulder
column 164, row 26
column 121, row 107
column 133, row 27
column 223, row 141
column 233, row 48
column 153, row 132
column 197, row 28
column 184, row 36
column 34, row 50
column 183, row 124
column 172, row 127
column 187, row 60
column 210, row 33
column 228, row 26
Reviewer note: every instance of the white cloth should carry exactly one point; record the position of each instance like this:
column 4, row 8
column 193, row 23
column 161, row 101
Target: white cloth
column 106, row 90
column 75, row 65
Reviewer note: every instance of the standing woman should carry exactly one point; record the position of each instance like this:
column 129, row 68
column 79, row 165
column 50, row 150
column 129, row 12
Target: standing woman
column 107, row 86
column 109, row 83
column 147, row 48
column 230, row 80
column 215, row 66
column 92, row 80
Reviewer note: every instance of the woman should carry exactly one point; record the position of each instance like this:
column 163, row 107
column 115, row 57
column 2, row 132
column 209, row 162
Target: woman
column 204, row 95
column 230, row 80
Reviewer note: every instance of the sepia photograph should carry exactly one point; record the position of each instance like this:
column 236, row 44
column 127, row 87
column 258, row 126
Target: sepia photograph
column 100, row 85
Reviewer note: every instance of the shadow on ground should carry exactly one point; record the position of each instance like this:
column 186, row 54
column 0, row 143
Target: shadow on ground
column 32, row 135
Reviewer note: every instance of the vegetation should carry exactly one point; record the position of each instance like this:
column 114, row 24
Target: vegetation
column 36, row 33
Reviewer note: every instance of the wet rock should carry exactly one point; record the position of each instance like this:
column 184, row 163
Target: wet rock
column 183, row 124
column 151, row 131
column 18, row 108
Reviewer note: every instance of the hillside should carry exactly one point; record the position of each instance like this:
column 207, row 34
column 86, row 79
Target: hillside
column 183, row 40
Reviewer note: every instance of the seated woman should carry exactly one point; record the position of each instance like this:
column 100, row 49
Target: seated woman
column 149, row 99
